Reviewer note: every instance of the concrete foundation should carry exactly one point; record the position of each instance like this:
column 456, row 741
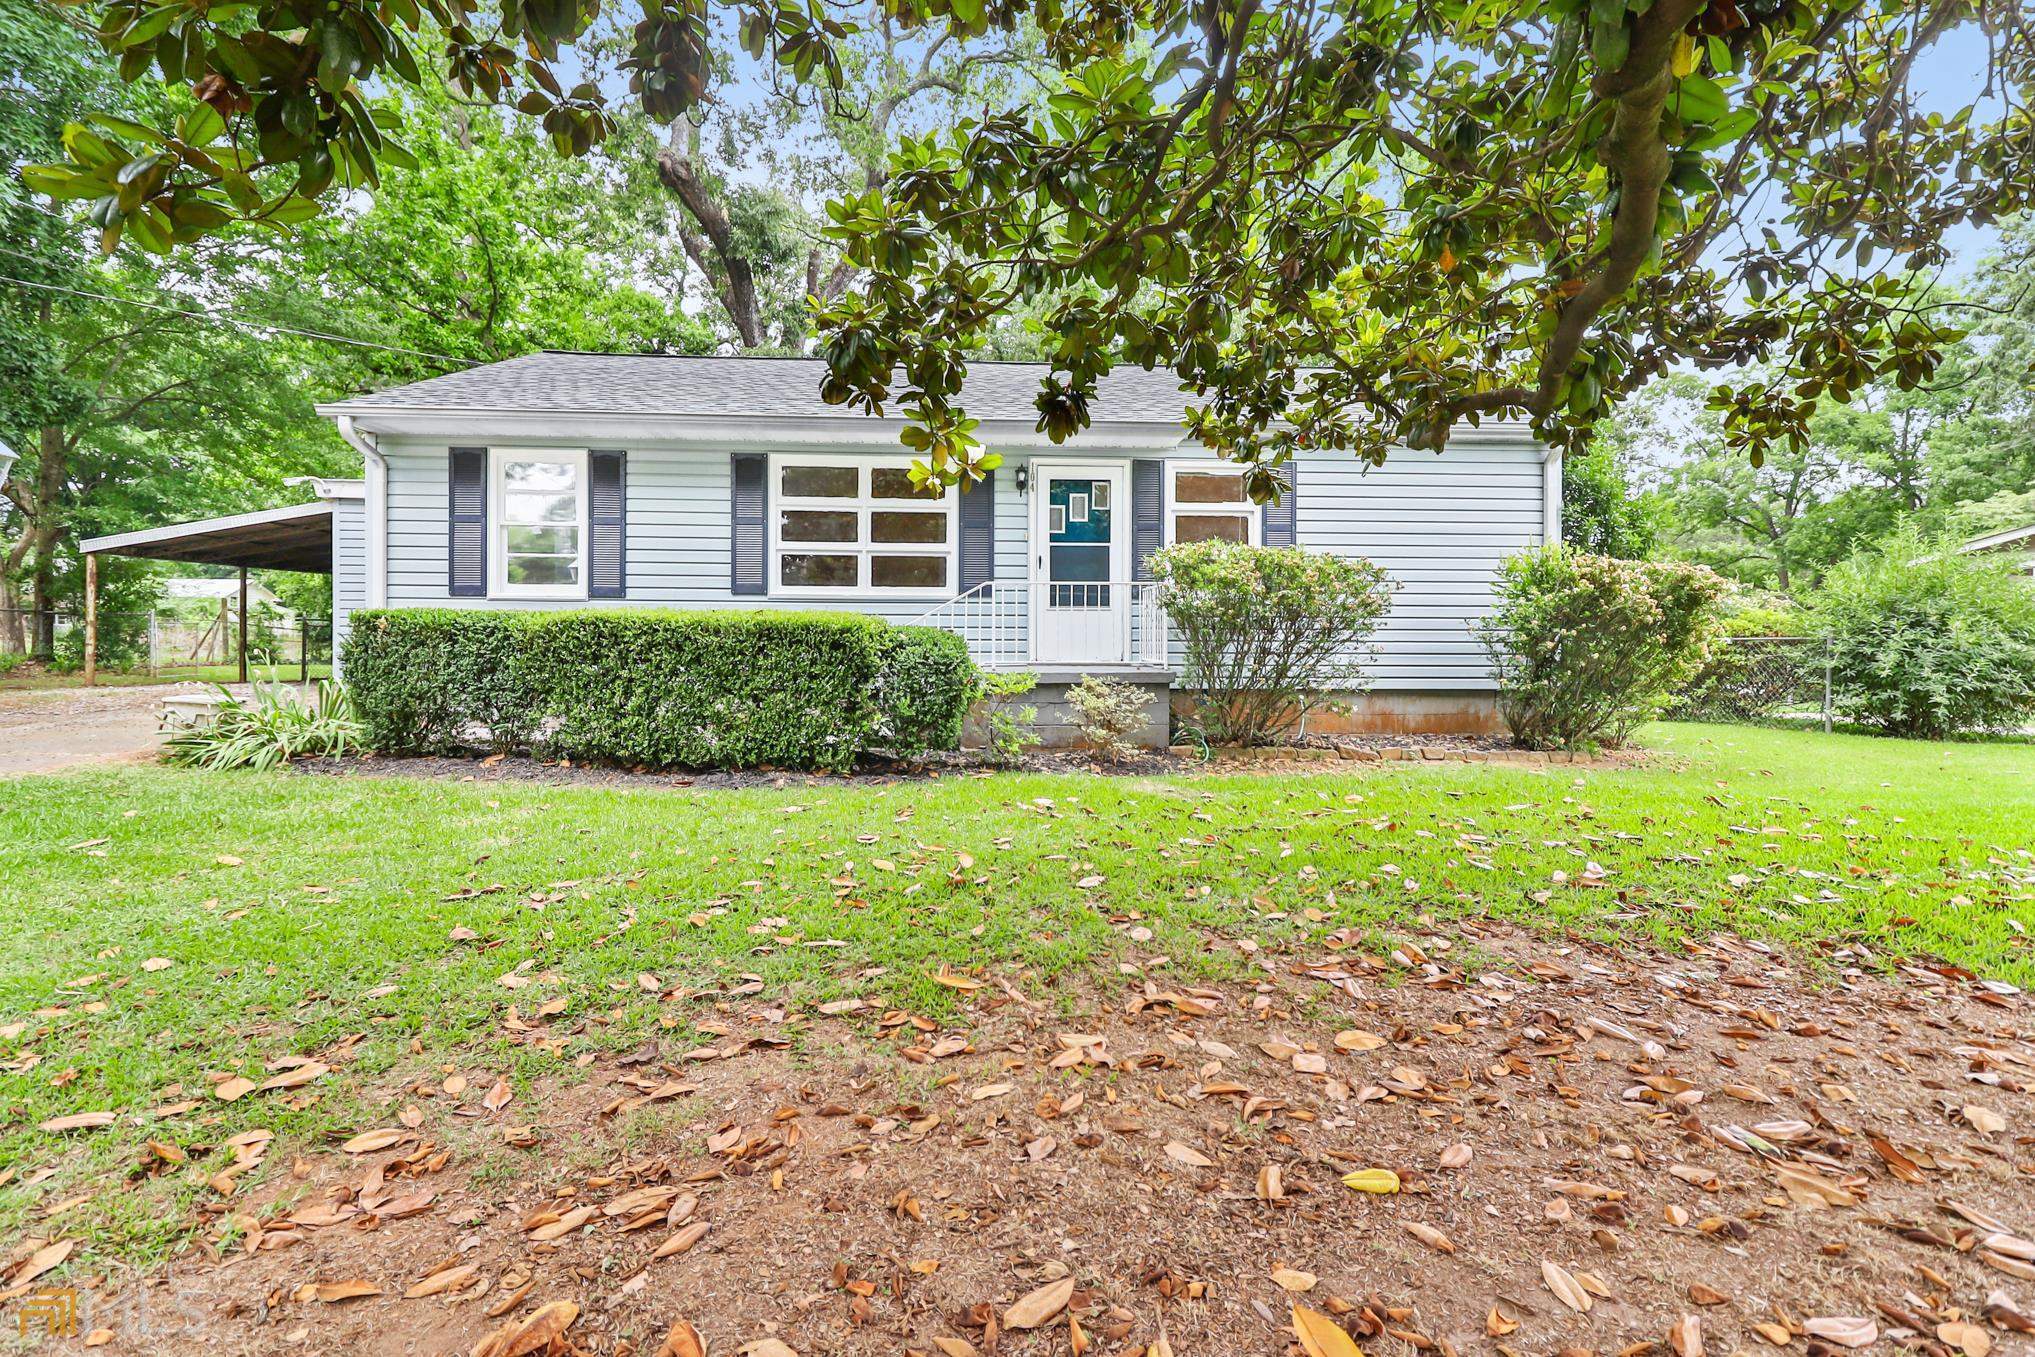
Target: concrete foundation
column 1375, row 713
column 1411, row 713
column 1393, row 713
column 1056, row 724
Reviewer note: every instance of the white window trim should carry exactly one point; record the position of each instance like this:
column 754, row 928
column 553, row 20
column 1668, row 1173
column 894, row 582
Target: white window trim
column 498, row 525
column 777, row 503
column 1252, row 513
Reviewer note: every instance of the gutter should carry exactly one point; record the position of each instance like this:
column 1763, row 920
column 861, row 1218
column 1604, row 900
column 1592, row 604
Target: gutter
column 377, row 509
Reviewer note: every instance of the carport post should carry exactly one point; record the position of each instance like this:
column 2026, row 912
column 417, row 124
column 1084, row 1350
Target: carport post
column 243, row 624
column 91, row 619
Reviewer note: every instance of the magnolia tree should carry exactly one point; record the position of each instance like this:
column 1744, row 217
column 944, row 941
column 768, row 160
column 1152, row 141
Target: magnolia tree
column 1428, row 211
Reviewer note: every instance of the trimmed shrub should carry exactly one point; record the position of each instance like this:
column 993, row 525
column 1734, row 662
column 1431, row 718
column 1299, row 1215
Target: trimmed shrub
column 1587, row 647
column 732, row 689
column 1927, row 642
column 425, row 680
column 1268, row 632
column 924, row 687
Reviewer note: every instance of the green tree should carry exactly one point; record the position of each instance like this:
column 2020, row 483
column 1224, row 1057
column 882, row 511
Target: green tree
column 738, row 180
column 1429, row 211
column 122, row 407
column 142, row 388
column 490, row 245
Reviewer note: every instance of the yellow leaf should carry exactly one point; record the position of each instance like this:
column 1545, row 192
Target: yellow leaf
column 1685, row 55
column 1382, row 1181
column 1322, row 1336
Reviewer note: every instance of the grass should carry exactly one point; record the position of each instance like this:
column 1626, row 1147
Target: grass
column 296, row 912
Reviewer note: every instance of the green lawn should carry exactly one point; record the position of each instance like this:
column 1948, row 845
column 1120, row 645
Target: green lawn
column 294, row 911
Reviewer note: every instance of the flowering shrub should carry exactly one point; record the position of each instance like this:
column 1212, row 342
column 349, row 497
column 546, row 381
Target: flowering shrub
column 1267, row 631
column 1927, row 642
column 1587, row 647
column 1108, row 712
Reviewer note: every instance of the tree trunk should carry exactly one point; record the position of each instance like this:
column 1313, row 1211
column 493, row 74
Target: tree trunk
column 677, row 171
column 49, row 484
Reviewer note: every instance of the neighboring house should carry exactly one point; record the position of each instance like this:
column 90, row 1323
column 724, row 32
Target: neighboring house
column 214, row 592
column 2017, row 543
column 574, row 480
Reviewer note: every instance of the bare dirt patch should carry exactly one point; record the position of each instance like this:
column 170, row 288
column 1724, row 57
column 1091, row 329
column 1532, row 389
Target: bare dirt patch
column 1711, row 1151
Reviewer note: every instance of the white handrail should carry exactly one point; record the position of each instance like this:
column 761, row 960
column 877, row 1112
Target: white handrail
column 996, row 619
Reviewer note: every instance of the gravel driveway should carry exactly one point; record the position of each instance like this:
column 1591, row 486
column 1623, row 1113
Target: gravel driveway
column 42, row 732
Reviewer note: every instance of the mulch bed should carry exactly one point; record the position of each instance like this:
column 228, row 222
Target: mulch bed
column 523, row 768
column 1181, row 760
column 1595, row 1151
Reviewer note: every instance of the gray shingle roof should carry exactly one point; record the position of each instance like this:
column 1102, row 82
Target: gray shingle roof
column 657, row 384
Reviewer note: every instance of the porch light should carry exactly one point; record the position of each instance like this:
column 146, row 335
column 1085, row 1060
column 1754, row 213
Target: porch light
column 1024, row 475
column 7, row 456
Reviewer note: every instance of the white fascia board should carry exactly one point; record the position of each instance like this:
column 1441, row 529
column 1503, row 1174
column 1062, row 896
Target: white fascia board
column 175, row 531
column 719, row 433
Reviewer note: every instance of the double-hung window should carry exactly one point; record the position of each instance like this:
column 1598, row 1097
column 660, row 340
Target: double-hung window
column 1207, row 502
column 843, row 526
column 539, row 543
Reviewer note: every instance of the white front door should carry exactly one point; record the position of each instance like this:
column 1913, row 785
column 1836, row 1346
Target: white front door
column 1081, row 557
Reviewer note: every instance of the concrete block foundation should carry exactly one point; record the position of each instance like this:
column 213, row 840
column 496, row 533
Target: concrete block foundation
column 1371, row 713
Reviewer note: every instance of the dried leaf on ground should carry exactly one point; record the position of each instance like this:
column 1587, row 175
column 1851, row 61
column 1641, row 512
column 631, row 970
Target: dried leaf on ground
column 1847, row 1331
column 1566, row 1288
column 521, row 1338
column 1322, row 1336
column 683, row 1340
column 1036, row 1307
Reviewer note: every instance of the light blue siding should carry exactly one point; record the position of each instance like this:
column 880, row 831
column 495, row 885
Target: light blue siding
column 1439, row 526
column 349, row 565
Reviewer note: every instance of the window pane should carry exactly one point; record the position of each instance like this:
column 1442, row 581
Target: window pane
column 817, row 525
column 895, row 482
column 543, row 569
column 817, row 572
column 537, row 475
column 821, row 482
column 908, row 572
column 533, row 508
column 543, row 541
column 1211, row 528
column 1078, row 562
column 1208, row 487
column 894, row 526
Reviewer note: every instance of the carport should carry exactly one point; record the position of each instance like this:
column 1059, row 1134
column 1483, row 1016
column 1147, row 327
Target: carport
column 298, row 537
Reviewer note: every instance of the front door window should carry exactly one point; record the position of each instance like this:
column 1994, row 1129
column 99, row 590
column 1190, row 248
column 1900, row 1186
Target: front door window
column 1079, row 519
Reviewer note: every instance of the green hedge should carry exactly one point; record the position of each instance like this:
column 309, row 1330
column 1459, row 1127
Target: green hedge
column 726, row 689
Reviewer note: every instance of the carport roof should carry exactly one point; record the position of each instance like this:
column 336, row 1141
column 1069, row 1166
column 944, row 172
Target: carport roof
column 298, row 537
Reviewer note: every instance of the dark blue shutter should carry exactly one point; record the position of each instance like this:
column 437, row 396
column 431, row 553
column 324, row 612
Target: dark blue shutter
column 978, row 533
column 466, row 529
column 1281, row 516
column 1148, row 514
column 607, row 524
column 748, row 538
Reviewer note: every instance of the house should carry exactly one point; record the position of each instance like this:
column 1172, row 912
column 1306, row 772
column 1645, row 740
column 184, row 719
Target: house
column 591, row 480
column 183, row 589
column 2015, row 543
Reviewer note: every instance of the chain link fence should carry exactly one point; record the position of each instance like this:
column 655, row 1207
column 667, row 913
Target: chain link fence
column 1761, row 678
column 175, row 646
